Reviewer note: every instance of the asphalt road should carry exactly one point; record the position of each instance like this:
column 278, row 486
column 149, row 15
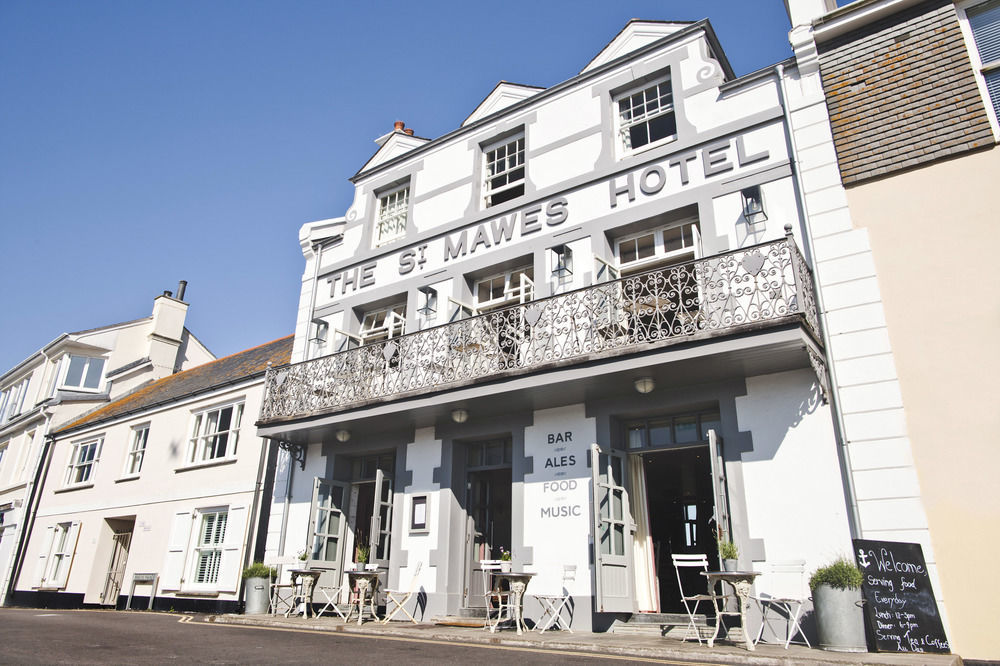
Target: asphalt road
column 108, row 637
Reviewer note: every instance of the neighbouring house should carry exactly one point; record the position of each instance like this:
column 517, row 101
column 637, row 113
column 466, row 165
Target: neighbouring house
column 912, row 89
column 581, row 327
column 73, row 374
column 166, row 481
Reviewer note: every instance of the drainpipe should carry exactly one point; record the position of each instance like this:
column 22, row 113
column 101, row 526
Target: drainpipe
column 26, row 524
column 843, row 453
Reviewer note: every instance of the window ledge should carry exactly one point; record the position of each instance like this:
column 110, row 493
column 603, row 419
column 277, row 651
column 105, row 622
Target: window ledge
column 130, row 477
column 207, row 463
column 69, row 489
column 197, row 593
column 49, row 588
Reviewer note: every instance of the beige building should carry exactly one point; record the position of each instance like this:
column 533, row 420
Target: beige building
column 912, row 91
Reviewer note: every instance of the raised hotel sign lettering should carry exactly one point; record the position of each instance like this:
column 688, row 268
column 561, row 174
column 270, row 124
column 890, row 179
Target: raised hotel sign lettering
column 670, row 175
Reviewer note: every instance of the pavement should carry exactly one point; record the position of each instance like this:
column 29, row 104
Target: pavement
column 630, row 646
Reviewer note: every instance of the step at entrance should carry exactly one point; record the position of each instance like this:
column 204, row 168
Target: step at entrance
column 673, row 625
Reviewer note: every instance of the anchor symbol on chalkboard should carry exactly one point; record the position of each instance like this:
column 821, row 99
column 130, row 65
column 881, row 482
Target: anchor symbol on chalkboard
column 862, row 558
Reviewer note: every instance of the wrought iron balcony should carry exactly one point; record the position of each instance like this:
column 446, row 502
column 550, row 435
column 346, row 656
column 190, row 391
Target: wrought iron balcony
column 764, row 285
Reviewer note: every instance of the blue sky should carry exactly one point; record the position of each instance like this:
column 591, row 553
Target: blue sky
column 142, row 143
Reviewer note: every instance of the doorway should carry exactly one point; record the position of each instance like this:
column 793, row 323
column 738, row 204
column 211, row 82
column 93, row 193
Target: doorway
column 488, row 512
column 681, row 504
column 121, row 542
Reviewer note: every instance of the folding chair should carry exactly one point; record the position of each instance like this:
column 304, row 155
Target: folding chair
column 333, row 594
column 553, row 604
column 399, row 598
column 692, row 562
column 496, row 599
column 282, row 598
column 787, row 580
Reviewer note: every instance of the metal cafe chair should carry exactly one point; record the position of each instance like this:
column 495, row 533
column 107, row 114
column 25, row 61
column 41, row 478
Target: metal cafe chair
column 282, row 598
column 498, row 607
column 333, row 594
column 788, row 595
column 698, row 561
column 553, row 604
column 400, row 598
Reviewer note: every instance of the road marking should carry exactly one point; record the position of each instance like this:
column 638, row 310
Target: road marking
column 184, row 619
column 428, row 641
column 47, row 615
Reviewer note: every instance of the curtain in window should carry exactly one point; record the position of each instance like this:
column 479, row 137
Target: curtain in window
column 647, row 594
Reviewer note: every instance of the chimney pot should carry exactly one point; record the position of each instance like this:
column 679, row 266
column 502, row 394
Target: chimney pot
column 408, row 131
column 398, row 126
column 167, row 293
column 181, row 288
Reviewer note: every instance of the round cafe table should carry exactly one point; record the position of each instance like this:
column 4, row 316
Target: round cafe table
column 742, row 584
column 366, row 582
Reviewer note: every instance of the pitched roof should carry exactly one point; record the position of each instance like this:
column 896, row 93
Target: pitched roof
column 237, row 367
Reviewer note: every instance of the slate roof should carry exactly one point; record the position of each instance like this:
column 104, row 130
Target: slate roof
column 237, row 367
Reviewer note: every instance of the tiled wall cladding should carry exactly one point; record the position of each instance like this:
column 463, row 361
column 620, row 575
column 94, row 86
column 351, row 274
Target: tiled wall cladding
column 901, row 92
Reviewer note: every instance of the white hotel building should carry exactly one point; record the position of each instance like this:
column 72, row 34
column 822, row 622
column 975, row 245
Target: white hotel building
column 581, row 327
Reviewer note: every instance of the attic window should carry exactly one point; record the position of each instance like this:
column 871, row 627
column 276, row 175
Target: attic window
column 504, row 170
column 83, row 372
column 646, row 115
column 393, row 207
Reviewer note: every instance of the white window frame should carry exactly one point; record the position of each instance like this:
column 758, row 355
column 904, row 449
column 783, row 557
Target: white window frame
column 83, row 459
column 390, row 219
column 520, row 293
column 383, row 323
column 979, row 68
column 504, row 166
column 12, row 399
column 661, row 256
column 203, row 445
column 56, row 556
column 88, row 361
column 661, row 90
column 138, row 441
column 4, row 447
column 212, row 547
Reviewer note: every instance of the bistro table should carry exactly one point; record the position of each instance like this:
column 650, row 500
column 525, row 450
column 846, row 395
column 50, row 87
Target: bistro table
column 366, row 582
column 518, row 582
column 304, row 581
column 741, row 582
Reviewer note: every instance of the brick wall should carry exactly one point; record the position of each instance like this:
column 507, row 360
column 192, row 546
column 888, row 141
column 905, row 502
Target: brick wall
column 901, row 92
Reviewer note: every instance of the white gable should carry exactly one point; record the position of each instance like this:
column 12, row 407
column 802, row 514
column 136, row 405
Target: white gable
column 633, row 36
column 397, row 143
column 504, row 95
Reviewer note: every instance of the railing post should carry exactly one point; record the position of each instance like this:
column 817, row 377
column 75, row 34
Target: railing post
column 793, row 261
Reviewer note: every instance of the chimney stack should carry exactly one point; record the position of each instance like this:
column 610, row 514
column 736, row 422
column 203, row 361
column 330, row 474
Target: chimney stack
column 166, row 332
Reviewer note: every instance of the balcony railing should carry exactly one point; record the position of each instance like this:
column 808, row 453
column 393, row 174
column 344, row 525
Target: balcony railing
column 719, row 295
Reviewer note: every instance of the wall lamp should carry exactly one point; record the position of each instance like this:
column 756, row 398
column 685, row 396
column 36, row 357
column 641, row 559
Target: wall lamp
column 459, row 416
column 753, row 204
column 645, row 384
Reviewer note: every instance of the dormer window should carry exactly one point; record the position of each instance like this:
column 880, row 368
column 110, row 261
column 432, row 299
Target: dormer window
column 83, row 372
column 646, row 116
column 504, row 169
column 393, row 207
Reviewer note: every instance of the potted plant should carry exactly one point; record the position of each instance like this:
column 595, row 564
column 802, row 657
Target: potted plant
column 258, row 577
column 836, row 590
column 729, row 554
column 361, row 555
column 505, row 562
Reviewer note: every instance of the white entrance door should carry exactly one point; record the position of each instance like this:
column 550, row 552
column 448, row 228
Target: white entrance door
column 381, row 525
column 329, row 528
column 612, row 533
column 720, row 493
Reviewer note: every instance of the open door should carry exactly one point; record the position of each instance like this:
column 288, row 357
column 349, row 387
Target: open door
column 329, row 527
column 720, row 493
column 612, row 533
column 381, row 525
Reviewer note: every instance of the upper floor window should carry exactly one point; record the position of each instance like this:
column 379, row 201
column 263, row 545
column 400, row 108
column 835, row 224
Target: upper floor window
column 659, row 247
column 646, row 115
column 83, row 461
column 12, row 399
column 504, row 170
column 392, row 211
column 984, row 23
column 137, row 450
column 215, row 434
column 507, row 288
column 384, row 323
column 3, row 452
column 83, row 372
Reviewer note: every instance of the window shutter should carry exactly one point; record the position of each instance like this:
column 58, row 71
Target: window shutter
column 43, row 556
column 70, row 551
column 232, row 549
column 173, row 563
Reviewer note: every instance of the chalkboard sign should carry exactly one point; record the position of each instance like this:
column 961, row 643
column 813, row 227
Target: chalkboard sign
column 899, row 601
